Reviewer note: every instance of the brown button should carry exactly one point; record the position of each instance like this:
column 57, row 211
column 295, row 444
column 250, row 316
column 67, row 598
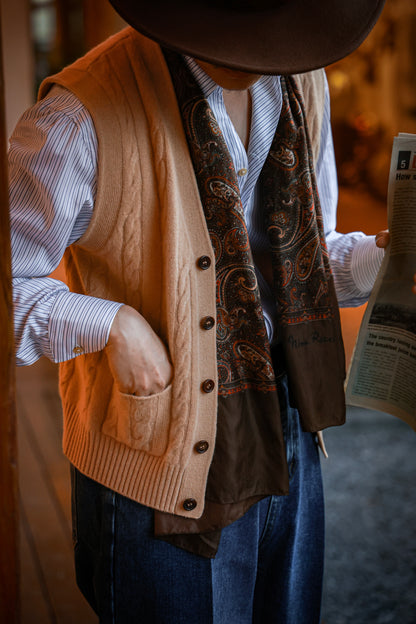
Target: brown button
column 242, row 171
column 207, row 322
column 77, row 350
column 189, row 504
column 208, row 385
column 202, row 446
column 204, row 262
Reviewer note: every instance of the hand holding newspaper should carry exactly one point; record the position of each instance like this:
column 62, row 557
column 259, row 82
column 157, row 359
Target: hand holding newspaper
column 382, row 374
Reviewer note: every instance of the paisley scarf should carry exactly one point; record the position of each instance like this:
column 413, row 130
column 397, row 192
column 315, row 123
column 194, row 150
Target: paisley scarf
column 250, row 459
column 297, row 265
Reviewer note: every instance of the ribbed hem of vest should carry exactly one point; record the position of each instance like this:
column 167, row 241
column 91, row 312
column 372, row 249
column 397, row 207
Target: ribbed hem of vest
column 145, row 478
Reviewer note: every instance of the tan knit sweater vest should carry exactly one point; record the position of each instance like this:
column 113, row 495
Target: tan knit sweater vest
column 147, row 246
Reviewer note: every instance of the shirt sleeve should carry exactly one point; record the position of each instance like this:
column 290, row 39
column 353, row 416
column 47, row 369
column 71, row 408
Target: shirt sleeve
column 355, row 258
column 52, row 171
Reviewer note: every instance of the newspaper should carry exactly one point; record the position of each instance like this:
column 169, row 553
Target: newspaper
column 382, row 374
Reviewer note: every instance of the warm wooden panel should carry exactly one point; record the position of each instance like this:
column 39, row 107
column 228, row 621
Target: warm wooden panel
column 35, row 604
column 8, row 470
column 100, row 21
column 45, row 495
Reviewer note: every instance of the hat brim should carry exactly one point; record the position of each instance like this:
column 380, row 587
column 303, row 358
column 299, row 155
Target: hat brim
column 293, row 37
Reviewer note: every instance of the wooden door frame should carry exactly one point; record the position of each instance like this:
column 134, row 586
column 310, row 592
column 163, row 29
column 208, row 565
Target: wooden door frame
column 108, row 22
column 9, row 524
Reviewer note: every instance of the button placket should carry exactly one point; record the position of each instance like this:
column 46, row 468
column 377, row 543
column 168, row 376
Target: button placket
column 207, row 386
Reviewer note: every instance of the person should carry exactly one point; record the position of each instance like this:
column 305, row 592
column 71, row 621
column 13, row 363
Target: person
column 185, row 170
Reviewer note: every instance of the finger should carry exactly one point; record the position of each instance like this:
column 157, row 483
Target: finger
column 382, row 239
column 153, row 380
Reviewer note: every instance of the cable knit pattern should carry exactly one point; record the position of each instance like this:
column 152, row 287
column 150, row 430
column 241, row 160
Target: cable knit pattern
column 182, row 356
column 142, row 248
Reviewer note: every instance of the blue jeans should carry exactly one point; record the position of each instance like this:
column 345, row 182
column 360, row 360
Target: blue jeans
column 268, row 568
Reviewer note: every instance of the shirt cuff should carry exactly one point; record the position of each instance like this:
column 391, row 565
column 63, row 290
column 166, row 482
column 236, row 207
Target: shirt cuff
column 79, row 324
column 365, row 263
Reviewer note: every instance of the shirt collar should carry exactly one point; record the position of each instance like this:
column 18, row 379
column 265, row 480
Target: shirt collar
column 207, row 84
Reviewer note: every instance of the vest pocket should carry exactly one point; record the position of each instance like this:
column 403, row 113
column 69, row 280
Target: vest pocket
column 140, row 422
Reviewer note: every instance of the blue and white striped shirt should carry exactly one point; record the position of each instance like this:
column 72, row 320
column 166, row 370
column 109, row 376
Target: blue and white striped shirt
column 53, row 171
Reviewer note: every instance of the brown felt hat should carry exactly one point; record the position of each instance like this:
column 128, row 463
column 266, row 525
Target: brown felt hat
column 259, row 36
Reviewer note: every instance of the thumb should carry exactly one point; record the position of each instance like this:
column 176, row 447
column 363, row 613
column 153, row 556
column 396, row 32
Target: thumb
column 382, row 239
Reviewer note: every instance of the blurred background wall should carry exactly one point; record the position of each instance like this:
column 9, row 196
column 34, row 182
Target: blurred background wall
column 373, row 98
column 42, row 36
